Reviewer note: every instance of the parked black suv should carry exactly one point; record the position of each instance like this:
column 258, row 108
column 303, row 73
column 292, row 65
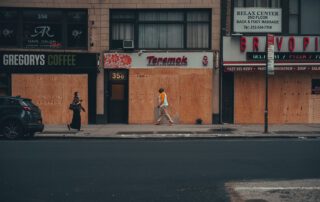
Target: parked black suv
column 19, row 117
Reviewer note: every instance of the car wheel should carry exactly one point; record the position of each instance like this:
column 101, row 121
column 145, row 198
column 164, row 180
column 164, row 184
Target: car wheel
column 12, row 129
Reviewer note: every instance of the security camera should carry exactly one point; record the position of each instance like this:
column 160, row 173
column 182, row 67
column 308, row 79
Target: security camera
column 140, row 52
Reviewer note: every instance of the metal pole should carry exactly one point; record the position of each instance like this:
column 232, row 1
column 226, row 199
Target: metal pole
column 266, row 97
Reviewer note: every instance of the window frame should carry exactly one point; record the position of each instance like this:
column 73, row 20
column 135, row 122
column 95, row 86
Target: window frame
column 136, row 22
column 63, row 23
column 17, row 39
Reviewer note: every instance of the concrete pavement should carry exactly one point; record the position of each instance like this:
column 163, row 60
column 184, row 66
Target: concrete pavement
column 183, row 131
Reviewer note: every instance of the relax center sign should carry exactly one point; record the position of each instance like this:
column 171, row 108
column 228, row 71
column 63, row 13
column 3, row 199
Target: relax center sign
column 257, row 20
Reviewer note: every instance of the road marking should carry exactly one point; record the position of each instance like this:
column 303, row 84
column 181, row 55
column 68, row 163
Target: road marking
column 276, row 188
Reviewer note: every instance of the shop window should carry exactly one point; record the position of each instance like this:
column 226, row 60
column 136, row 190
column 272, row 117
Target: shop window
column 197, row 30
column 120, row 32
column 4, row 84
column 293, row 17
column 160, row 36
column 77, row 29
column 258, row 3
column 8, row 28
column 315, row 87
column 310, row 17
column 161, row 29
column 43, row 28
column 42, row 35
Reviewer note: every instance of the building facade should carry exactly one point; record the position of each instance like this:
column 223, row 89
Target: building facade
column 293, row 85
column 117, row 54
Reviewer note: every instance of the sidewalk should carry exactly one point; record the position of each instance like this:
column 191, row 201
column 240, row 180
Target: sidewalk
column 183, row 131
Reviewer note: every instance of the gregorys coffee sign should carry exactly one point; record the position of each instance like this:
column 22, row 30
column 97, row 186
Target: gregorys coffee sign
column 34, row 59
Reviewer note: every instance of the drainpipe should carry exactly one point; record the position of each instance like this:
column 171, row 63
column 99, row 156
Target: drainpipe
column 223, row 9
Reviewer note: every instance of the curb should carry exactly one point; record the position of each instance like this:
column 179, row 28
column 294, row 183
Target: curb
column 170, row 136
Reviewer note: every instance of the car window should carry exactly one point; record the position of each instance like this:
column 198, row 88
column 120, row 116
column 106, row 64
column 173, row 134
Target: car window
column 28, row 102
column 2, row 101
column 12, row 102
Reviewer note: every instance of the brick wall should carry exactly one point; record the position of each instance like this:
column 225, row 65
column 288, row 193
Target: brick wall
column 98, row 11
column 98, row 22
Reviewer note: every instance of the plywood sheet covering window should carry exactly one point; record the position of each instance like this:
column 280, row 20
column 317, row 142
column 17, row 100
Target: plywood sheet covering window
column 53, row 93
column 189, row 94
column 289, row 97
column 314, row 109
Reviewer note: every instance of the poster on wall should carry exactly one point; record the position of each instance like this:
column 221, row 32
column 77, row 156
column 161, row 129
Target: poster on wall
column 257, row 20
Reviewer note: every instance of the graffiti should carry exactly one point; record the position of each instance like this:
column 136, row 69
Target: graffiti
column 117, row 61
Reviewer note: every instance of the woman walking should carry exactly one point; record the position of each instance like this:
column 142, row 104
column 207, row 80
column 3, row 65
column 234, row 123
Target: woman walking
column 76, row 107
column 163, row 107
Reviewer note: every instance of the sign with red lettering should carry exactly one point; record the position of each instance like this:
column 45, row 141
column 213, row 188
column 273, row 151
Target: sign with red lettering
column 236, row 48
column 145, row 59
column 291, row 53
column 167, row 61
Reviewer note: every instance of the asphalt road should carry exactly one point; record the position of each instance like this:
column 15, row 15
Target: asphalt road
column 147, row 170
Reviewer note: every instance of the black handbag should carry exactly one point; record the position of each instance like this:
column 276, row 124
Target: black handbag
column 71, row 106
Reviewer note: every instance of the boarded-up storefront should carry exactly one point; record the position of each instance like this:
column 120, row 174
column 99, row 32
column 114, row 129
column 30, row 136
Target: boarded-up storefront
column 53, row 93
column 293, row 89
column 187, row 80
column 50, row 80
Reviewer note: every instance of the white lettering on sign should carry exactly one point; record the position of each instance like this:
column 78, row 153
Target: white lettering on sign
column 257, row 20
column 42, row 31
column 23, row 59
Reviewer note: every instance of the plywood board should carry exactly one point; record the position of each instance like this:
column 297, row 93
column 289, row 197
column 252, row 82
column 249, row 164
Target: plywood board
column 189, row 94
column 289, row 97
column 249, row 98
column 53, row 93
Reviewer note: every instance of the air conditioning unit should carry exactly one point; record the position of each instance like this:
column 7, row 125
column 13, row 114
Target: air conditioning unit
column 128, row 44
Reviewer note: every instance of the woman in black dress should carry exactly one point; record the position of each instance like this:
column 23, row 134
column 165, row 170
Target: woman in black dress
column 76, row 107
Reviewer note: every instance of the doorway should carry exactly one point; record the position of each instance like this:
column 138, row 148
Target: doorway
column 227, row 97
column 116, row 95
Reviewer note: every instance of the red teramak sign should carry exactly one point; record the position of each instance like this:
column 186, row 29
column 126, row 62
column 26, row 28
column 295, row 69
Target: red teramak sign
column 167, row 61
